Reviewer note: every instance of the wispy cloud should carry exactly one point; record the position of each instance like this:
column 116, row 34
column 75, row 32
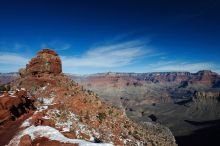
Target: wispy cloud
column 111, row 55
column 12, row 59
column 12, row 62
column 182, row 66
column 14, row 46
column 56, row 45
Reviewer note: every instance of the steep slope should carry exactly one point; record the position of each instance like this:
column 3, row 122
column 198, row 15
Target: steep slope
column 71, row 113
column 174, row 99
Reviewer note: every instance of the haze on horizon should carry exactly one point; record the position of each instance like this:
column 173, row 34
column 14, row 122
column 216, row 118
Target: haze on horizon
column 119, row 36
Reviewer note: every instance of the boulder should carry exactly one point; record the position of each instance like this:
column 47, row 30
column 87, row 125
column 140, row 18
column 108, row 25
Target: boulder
column 25, row 140
column 14, row 104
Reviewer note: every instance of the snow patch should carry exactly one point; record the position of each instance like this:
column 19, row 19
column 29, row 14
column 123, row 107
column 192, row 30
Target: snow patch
column 11, row 92
column 27, row 122
column 45, row 100
column 70, row 122
column 48, row 101
column 41, row 108
column 43, row 88
column 65, row 124
column 12, row 96
column 52, row 134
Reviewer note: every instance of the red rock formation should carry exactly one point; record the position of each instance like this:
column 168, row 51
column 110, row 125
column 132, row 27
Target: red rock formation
column 70, row 135
column 13, row 105
column 4, row 115
column 40, row 71
column 46, row 61
column 25, row 141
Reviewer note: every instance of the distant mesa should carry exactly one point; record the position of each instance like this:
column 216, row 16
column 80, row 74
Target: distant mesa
column 46, row 61
column 206, row 72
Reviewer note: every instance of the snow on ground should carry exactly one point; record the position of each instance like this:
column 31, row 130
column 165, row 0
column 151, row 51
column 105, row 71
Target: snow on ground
column 12, row 96
column 52, row 134
column 26, row 123
column 56, row 115
column 45, row 100
column 43, row 88
column 46, row 103
column 67, row 123
column 41, row 108
column 11, row 92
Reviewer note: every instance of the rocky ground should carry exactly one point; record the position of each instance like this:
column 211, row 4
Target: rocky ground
column 67, row 114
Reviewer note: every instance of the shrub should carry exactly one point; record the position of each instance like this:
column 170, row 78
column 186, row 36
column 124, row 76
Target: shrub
column 110, row 111
column 2, row 88
column 101, row 116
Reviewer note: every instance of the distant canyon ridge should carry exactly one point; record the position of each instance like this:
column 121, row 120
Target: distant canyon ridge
column 170, row 98
column 146, row 88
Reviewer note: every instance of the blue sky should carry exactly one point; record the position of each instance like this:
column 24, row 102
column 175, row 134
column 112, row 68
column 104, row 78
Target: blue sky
column 113, row 35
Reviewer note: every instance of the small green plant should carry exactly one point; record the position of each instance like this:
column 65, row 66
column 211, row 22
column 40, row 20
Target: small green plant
column 110, row 111
column 90, row 92
column 101, row 116
column 2, row 88
column 57, row 115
